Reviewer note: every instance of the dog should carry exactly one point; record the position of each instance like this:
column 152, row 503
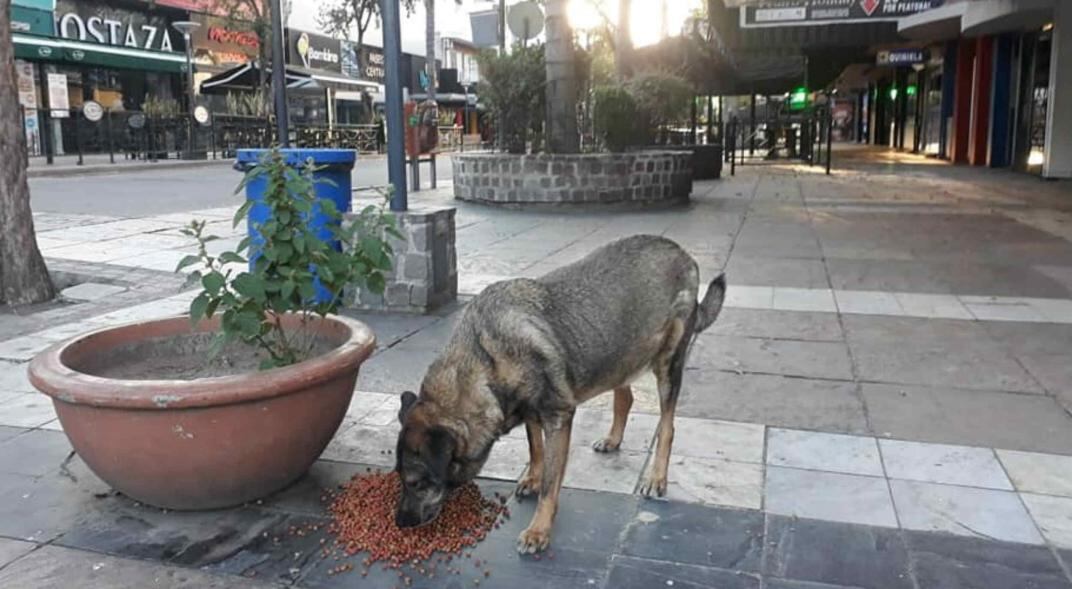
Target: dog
column 531, row 350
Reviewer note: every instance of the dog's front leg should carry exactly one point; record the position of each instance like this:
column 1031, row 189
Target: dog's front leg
column 530, row 483
column 557, row 433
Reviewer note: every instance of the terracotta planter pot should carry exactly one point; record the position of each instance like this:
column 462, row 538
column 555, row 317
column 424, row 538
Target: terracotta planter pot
column 203, row 443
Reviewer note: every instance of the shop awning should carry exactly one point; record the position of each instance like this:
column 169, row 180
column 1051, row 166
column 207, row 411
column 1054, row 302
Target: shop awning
column 52, row 49
column 246, row 77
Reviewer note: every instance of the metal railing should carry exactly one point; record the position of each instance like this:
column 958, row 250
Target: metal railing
column 805, row 137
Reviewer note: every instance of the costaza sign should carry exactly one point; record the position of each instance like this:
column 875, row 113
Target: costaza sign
column 109, row 25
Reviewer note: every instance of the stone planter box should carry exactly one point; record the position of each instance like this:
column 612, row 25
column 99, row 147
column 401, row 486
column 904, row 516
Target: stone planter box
column 640, row 178
column 706, row 160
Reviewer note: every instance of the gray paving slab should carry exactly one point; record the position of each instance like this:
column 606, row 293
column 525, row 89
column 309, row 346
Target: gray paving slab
column 1041, row 350
column 53, row 567
column 944, row 464
column 942, row 560
column 829, row 496
column 771, row 271
column 11, row 550
column 778, row 324
column 717, row 537
column 837, row 554
column 34, row 453
column 974, row 418
column 636, row 573
column 966, row 277
column 774, row 400
column 826, row 360
column 933, row 352
column 986, row 513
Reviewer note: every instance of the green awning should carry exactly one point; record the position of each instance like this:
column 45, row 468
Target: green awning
column 78, row 52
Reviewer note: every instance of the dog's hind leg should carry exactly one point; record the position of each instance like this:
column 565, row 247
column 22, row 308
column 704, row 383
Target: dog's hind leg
column 623, row 402
column 530, row 482
column 669, row 372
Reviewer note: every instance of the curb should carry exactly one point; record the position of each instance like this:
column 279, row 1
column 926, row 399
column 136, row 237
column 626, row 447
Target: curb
column 99, row 169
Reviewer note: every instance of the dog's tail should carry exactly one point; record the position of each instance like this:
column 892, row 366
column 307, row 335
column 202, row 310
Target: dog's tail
column 711, row 304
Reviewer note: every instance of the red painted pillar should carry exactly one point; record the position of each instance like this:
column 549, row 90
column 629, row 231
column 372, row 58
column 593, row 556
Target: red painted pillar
column 982, row 76
column 962, row 102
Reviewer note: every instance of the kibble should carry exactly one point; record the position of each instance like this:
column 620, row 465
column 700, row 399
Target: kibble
column 363, row 520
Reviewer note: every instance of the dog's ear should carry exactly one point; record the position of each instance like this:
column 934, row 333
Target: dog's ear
column 408, row 399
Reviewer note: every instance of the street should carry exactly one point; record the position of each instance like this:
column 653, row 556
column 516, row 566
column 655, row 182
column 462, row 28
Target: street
column 170, row 190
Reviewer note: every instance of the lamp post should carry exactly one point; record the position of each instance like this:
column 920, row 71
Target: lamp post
column 186, row 27
column 279, row 76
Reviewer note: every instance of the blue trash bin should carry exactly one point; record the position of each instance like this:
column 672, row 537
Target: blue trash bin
column 336, row 166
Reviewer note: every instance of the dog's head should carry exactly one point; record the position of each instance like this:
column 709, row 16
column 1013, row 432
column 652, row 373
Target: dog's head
column 425, row 454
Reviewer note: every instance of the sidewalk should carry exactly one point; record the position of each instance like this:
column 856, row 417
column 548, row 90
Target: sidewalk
column 884, row 402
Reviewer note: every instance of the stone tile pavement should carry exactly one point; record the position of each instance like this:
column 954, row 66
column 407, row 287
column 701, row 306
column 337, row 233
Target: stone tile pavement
column 884, row 402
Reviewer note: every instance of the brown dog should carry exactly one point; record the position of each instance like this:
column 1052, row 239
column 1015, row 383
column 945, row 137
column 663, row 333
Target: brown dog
column 531, row 351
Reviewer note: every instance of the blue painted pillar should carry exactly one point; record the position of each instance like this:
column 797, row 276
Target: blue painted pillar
column 396, row 125
column 949, row 77
column 1001, row 104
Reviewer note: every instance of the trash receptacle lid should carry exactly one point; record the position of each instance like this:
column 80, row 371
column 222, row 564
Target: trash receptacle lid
column 295, row 156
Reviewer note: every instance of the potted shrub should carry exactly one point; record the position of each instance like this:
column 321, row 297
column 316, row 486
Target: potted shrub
column 237, row 400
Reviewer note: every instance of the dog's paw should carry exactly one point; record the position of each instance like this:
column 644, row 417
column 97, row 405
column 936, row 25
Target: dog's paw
column 653, row 486
column 529, row 486
column 606, row 445
column 533, row 540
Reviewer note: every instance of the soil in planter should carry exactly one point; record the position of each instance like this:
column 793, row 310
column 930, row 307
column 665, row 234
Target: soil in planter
column 184, row 357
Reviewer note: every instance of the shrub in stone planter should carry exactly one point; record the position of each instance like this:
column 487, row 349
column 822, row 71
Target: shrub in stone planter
column 615, row 118
column 513, row 89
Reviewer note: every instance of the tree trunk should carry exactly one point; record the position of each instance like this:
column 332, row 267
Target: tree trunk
column 561, row 81
column 23, row 276
column 429, row 47
column 623, row 42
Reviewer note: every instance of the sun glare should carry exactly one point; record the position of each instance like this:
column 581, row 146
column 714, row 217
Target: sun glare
column 646, row 17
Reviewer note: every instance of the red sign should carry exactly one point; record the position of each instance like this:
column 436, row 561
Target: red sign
column 869, row 6
column 230, row 37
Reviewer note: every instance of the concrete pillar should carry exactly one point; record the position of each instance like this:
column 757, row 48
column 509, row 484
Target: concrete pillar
column 962, row 102
column 1058, row 162
column 982, row 74
column 1001, row 105
column 949, row 74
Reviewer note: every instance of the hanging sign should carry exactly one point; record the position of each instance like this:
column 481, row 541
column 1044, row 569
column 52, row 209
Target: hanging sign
column 92, row 110
column 782, row 13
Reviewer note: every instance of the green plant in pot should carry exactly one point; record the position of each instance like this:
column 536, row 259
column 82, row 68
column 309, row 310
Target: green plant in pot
column 294, row 270
column 213, row 433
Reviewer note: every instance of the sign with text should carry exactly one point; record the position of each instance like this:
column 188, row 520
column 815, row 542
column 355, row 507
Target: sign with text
column 787, row 13
column 111, row 25
column 224, row 42
column 900, row 57
column 312, row 51
column 24, row 71
column 58, row 99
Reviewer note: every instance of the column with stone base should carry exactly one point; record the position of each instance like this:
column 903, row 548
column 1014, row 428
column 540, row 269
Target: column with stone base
column 425, row 272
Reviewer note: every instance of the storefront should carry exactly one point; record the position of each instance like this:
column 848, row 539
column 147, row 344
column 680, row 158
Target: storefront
column 219, row 45
column 123, row 55
column 322, row 58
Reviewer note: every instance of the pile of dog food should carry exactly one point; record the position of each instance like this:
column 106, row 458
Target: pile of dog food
column 363, row 520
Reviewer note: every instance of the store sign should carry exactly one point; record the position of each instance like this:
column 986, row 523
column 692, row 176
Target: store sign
column 783, row 13
column 221, row 42
column 31, row 21
column 899, row 57
column 373, row 69
column 108, row 25
column 92, row 110
column 315, row 52
column 58, row 99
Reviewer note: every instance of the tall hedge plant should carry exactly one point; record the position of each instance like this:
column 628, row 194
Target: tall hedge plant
column 512, row 86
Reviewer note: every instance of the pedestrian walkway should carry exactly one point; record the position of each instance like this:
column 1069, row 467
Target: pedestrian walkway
column 884, row 402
